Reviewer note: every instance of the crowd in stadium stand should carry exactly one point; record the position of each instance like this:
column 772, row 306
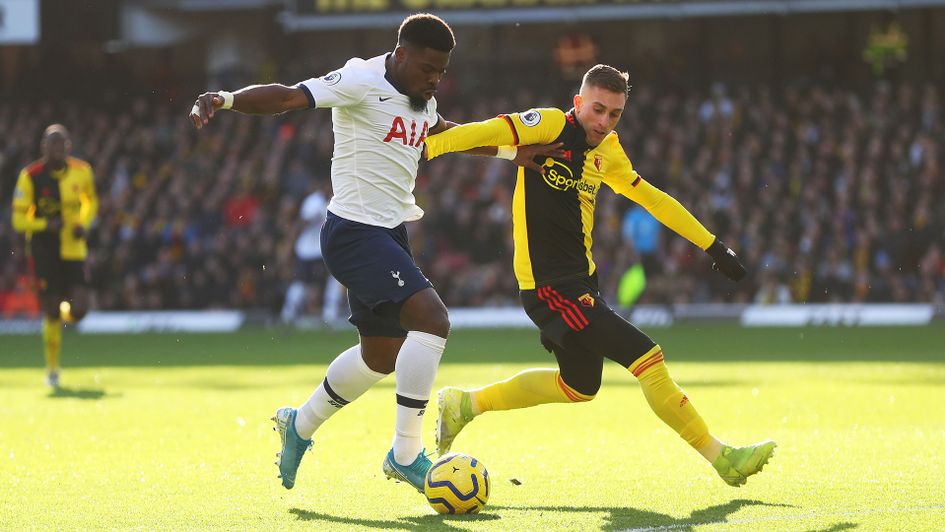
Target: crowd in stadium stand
column 827, row 194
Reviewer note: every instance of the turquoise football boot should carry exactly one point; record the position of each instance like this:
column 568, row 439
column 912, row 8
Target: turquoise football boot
column 293, row 446
column 412, row 474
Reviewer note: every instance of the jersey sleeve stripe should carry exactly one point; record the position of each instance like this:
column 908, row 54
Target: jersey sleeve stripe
column 636, row 181
column 511, row 124
column 308, row 94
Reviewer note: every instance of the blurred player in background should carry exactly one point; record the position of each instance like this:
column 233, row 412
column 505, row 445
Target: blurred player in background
column 54, row 204
column 310, row 269
column 553, row 215
column 383, row 109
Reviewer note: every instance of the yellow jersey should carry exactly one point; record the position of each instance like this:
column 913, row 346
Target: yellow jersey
column 42, row 194
column 553, row 214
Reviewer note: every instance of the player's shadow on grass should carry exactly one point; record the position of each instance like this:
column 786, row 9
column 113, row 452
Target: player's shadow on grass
column 424, row 522
column 836, row 528
column 616, row 518
column 64, row 392
column 622, row 518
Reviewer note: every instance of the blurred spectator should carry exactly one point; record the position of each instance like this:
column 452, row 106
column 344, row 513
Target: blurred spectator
column 828, row 192
column 642, row 231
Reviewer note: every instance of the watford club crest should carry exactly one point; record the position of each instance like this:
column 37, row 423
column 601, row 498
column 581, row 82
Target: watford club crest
column 597, row 162
column 586, row 300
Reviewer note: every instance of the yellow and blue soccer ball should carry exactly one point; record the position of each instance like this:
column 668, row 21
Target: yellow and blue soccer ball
column 457, row 484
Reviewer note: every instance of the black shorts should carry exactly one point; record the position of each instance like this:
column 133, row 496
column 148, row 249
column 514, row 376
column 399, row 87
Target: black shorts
column 311, row 271
column 57, row 277
column 581, row 329
column 376, row 266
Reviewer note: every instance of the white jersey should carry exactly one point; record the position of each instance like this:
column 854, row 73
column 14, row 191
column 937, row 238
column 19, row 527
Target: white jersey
column 309, row 246
column 378, row 143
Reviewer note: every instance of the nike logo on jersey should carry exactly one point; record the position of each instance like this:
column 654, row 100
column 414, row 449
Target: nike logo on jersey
column 383, row 99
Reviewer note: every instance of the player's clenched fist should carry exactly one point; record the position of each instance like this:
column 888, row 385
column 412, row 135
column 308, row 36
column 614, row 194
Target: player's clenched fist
column 204, row 107
column 726, row 261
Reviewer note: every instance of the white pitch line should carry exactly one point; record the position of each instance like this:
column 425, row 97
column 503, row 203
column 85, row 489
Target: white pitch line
column 809, row 515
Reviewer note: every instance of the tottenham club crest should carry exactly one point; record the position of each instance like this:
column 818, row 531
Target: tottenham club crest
column 332, row 78
column 396, row 276
column 531, row 118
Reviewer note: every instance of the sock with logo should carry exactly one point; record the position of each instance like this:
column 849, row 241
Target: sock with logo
column 528, row 388
column 52, row 341
column 347, row 378
column 668, row 401
column 415, row 369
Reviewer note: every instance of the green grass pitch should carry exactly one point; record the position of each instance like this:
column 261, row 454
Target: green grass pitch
column 172, row 432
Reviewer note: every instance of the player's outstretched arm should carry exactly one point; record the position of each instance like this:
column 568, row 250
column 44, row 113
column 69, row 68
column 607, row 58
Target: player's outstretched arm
column 672, row 214
column 256, row 99
column 455, row 138
column 496, row 137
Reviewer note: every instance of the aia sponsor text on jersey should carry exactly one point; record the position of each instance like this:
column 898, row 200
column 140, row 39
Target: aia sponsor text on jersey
column 398, row 131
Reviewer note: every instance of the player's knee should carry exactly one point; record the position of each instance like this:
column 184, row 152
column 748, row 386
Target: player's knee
column 439, row 323
column 426, row 313
column 380, row 362
column 580, row 389
column 436, row 323
column 646, row 354
column 380, row 352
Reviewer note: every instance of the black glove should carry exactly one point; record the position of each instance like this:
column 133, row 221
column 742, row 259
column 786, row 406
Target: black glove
column 726, row 261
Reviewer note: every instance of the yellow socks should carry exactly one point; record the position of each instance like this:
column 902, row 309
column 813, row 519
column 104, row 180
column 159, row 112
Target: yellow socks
column 52, row 340
column 668, row 401
column 528, row 388
column 65, row 312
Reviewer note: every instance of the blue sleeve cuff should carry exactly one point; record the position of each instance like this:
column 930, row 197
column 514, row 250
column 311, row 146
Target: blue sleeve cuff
column 308, row 94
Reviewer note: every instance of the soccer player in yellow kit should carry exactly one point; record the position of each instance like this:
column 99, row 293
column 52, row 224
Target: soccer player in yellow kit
column 553, row 215
column 54, row 204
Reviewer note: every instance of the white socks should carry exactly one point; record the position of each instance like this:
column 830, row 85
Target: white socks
column 346, row 379
column 416, row 369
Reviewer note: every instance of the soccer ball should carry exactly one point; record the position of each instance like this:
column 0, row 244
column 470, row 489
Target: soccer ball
column 457, row 484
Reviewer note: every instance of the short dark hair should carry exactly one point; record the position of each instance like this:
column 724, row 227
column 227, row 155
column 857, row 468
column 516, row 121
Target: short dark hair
column 429, row 31
column 608, row 78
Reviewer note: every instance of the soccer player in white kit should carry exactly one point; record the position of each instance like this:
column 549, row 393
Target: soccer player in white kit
column 382, row 110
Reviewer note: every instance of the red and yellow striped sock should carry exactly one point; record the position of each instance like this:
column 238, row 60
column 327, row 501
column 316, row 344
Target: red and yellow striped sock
column 668, row 401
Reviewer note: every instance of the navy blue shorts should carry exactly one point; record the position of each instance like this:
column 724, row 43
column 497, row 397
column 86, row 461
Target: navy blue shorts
column 376, row 266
